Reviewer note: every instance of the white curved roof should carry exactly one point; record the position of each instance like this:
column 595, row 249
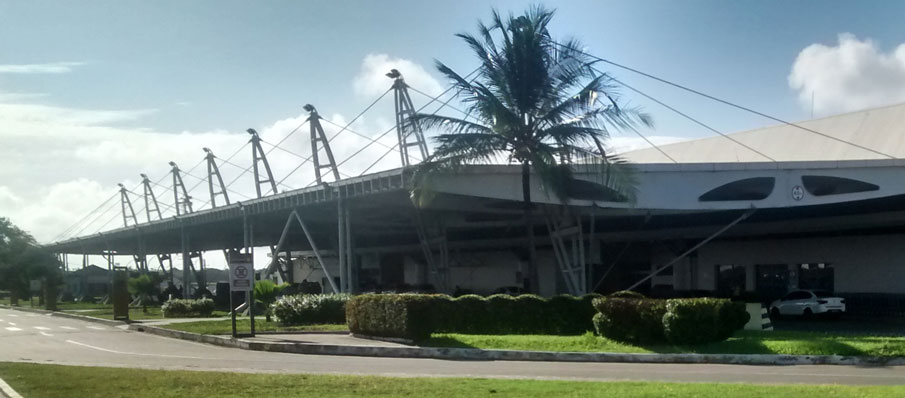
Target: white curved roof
column 880, row 129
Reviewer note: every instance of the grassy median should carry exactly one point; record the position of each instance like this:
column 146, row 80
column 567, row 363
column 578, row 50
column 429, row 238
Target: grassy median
column 261, row 325
column 55, row 381
column 744, row 342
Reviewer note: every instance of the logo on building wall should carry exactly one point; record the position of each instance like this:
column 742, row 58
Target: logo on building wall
column 797, row 192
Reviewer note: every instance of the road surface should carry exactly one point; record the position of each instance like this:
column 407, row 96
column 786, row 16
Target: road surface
column 38, row 338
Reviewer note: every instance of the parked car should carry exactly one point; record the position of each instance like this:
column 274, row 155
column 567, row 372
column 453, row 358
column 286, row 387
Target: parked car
column 807, row 303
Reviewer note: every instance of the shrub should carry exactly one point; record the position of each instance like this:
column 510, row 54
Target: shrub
column 266, row 293
column 186, row 308
column 407, row 316
column 630, row 320
column 308, row 309
column 702, row 320
column 627, row 294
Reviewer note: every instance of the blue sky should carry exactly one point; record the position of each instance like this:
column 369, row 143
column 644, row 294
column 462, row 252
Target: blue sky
column 232, row 64
column 94, row 92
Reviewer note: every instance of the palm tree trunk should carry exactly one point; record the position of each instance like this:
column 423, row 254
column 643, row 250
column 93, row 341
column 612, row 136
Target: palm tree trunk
column 534, row 285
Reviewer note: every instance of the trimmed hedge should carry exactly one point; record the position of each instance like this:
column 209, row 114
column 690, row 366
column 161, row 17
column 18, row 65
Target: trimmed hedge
column 188, row 308
column 407, row 316
column 630, row 320
column 373, row 314
column 678, row 321
column 309, row 309
column 702, row 320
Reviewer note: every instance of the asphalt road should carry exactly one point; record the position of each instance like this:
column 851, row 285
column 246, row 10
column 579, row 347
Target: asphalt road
column 36, row 338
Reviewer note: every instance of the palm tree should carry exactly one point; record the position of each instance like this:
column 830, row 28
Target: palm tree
column 535, row 102
column 144, row 288
column 266, row 293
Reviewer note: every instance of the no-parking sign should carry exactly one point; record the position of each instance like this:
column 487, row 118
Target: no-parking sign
column 241, row 272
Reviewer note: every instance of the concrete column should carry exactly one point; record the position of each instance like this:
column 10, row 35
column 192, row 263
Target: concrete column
column 186, row 265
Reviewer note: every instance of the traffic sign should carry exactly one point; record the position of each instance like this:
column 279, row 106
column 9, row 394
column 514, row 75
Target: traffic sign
column 241, row 272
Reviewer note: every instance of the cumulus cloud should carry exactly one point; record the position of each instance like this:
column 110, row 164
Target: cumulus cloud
column 372, row 81
column 52, row 67
column 851, row 75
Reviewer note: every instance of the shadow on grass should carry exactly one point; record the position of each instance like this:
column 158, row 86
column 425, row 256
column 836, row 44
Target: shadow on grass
column 445, row 342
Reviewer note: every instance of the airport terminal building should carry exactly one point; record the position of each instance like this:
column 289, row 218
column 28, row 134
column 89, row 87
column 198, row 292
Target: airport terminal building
column 818, row 205
column 823, row 213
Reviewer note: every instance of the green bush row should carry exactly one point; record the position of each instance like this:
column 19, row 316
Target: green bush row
column 309, row 309
column 187, row 308
column 414, row 316
column 687, row 321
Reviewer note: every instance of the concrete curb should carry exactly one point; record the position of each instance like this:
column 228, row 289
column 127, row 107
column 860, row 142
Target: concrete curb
column 7, row 391
column 61, row 314
column 476, row 354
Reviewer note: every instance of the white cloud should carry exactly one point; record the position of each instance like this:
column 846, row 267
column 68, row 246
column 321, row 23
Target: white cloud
column 52, row 67
column 851, row 75
column 372, row 80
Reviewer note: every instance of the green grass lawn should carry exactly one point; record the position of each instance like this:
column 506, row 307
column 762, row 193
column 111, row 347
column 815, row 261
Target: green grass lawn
column 261, row 325
column 744, row 342
column 135, row 313
column 55, row 381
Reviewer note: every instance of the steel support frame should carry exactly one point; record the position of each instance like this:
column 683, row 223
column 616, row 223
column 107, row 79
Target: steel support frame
column 697, row 246
column 214, row 171
column 258, row 156
column 572, row 261
column 183, row 204
column 412, row 137
column 319, row 137
column 150, row 198
column 294, row 215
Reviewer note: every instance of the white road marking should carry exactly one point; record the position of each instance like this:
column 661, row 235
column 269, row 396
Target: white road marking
column 68, row 328
column 46, row 334
column 33, row 315
column 14, row 329
column 96, row 328
column 13, row 324
column 41, row 328
column 12, row 315
column 132, row 353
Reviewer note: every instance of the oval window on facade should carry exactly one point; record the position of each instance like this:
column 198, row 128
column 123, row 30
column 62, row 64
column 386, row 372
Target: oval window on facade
column 757, row 188
column 829, row 185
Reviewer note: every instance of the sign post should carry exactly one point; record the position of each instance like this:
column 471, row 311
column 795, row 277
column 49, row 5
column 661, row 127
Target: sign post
column 241, row 279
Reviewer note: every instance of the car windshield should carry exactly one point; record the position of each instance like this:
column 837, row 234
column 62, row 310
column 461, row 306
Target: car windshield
column 823, row 294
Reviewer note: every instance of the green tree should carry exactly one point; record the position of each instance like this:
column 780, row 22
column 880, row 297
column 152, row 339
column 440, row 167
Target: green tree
column 266, row 293
column 144, row 287
column 21, row 260
column 536, row 102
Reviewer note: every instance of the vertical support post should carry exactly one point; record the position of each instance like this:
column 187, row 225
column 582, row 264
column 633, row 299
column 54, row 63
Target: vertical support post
column 183, row 203
column 318, row 137
column 186, row 264
column 212, row 172
column 248, row 233
column 341, row 245
column 351, row 272
column 258, row 155
column 317, row 253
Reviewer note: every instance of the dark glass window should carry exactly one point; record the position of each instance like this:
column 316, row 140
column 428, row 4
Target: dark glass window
column 828, row 185
column 589, row 190
column 730, row 280
column 816, row 276
column 756, row 188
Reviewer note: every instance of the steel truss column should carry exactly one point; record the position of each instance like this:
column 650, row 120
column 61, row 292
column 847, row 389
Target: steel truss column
column 341, row 245
column 126, row 203
column 407, row 131
column 429, row 237
column 572, row 262
column 183, row 203
column 320, row 142
column 214, row 171
column 258, row 155
column 150, row 198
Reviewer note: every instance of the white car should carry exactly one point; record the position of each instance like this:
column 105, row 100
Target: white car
column 807, row 303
